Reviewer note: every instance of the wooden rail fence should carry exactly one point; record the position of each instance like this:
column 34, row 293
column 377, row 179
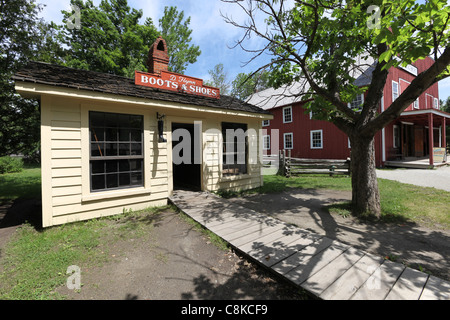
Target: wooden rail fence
column 294, row 166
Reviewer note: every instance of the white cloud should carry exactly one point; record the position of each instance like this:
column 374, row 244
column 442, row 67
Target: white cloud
column 210, row 31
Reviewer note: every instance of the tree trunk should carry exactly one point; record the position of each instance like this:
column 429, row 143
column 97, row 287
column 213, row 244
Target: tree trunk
column 365, row 194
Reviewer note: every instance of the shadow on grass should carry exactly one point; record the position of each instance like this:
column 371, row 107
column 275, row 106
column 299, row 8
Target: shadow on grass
column 344, row 209
column 17, row 212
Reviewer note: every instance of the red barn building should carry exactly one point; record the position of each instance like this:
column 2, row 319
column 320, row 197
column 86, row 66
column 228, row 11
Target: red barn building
column 407, row 138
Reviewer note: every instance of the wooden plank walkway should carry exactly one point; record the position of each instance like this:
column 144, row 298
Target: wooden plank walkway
column 327, row 268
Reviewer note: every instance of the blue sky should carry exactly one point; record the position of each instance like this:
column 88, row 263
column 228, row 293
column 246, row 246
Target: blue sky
column 210, row 32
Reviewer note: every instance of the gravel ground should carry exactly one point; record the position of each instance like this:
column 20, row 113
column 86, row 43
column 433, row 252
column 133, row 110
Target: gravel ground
column 438, row 178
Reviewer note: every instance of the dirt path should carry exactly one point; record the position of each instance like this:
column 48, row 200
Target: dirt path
column 177, row 262
column 407, row 243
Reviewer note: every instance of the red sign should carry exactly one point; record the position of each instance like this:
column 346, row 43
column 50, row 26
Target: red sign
column 175, row 82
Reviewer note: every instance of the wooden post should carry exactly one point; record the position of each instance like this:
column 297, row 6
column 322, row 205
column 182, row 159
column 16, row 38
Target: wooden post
column 288, row 164
column 282, row 163
column 444, row 138
column 430, row 137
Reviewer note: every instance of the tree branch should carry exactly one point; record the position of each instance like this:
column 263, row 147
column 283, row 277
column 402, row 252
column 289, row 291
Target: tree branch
column 412, row 92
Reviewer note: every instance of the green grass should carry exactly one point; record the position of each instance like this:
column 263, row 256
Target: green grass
column 20, row 185
column 35, row 262
column 399, row 202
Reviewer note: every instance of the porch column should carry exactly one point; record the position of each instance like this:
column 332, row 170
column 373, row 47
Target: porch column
column 444, row 138
column 430, row 137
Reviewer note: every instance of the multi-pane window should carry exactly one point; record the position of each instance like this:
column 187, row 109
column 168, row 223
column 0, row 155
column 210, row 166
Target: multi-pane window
column 234, row 148
column 316, row 139
column 395, row 91
column 288, row 140
column 396, row 135
column 436, row 103
column 266, row 142
column 357, row 103
column 116, row 150
column 266, row 123
column 287, row 114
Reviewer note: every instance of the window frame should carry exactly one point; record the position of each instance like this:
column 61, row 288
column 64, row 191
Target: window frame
column 227, row 168
column 118, row 160
column 264, row 124
column 398, row 90
column 292, row 140
column 311, row 135
column 359, row 108
column 290, row 114
column 266, row 137
column 396, row 137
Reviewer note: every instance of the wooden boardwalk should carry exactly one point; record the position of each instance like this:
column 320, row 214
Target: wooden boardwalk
column 324, row 267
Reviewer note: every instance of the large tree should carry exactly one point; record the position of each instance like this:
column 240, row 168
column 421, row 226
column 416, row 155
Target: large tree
column 219, row 79
column 325, row 42
column 108, row 38
column 177, row 34
column 20, row 36
column 245, row 84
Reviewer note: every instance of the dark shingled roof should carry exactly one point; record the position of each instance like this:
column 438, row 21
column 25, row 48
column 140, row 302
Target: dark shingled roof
column 55, row 75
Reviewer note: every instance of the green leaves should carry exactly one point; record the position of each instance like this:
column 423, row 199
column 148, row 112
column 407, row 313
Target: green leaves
column 177, row 35
column 110, row 40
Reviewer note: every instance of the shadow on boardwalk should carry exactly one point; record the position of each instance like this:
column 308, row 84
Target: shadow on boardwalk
column 404, row 242
column 319, row 262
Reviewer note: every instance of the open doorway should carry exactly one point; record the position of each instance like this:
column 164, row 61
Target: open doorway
column 186, row 157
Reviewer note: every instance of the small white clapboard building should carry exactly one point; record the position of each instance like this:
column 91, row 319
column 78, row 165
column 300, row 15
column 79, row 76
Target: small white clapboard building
column 110, row 143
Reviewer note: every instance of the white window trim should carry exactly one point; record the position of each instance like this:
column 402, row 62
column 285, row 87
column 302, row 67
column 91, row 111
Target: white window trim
column 398, row 90
column 311, row 138
column 435, row 103
column 393, row 135
column 292, row 140
column 264, row 142
column 284, row 118
column 266, row 125
column 362, row 102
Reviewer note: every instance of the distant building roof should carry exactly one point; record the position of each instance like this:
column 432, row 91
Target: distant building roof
column 59, row 76
column 288, row 94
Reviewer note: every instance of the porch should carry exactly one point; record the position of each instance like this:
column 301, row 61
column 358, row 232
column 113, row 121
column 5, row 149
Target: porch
column 416, row 163
column 419, row 140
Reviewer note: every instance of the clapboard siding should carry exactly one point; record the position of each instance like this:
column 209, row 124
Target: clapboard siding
column 213, row 178
column 66, row 172
column 66, row 165
column 127, row 202
column 74, row 216
column 66, row 155
column 66, row 135
column 66, row 181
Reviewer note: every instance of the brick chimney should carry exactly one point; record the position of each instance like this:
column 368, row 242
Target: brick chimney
column 158, row 59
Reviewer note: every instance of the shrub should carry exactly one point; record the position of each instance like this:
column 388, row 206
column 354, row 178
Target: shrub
column 9, row 164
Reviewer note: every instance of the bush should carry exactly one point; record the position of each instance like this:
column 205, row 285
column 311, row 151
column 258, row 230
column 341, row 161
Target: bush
column 9, row 164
